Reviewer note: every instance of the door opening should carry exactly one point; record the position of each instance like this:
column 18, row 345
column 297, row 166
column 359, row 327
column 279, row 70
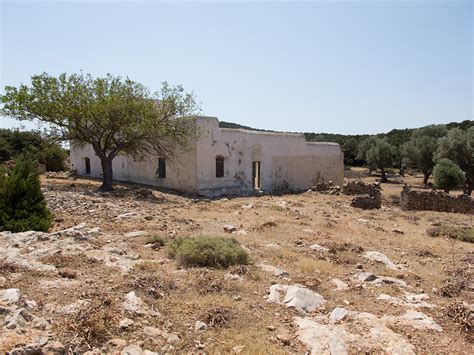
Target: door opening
column 87, row 162
column 256, row 177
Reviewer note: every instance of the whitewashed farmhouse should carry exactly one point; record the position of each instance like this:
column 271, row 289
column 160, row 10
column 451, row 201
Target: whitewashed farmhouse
column 227, row 161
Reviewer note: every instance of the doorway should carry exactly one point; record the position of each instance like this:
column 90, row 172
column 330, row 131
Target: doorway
column 87, row 162
column 256, row 176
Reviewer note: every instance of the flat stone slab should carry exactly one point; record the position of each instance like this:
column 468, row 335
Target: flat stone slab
column 382, row 258
column 273, row 270
column 10, row 295
column 296, row 296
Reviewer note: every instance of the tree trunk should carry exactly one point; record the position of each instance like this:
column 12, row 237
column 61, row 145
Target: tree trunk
column 107, row 175
column 384, row 176
column 426, row 176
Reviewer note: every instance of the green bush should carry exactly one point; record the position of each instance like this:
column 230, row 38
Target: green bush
column 204, row 251
column 447, row 175
column 464, row 234
column 22, row 204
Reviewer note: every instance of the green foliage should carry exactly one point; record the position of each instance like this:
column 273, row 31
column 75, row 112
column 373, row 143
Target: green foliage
column 419, row 151
column 156, row 239
column 22, row 204
column 464, row 234
column 14, row 143
column 458, row 146
column 114, row 115
column 207, row 251
column 381, row 156
column 447, row 175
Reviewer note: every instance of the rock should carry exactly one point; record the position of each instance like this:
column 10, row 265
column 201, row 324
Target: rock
column 31, row 304
column 153, row 332
column 238, row 349
column 3, row 281
column 200, row 326
column 360, row 330
column 70, row 232
column 125, row 323
column 319, row 248
column 398, row 231
column 128, row 215
column 54, row 347
column 73, row 307
column 132, row 349
column 133, row 303
column 379, row 257
column 229, row 228
column 32, row 349
column 284, row 337
column 233, row 277
column 338, row 314
column 117, row 343
column 366, row 276
column 414, row 303
column 340, row 285
column 274, row 270
column 273, row 246
column 296, row 296
column 135, row 234
column 417, row 320
column 381, row 280
column 10, row 295
column 67, row 273
column 19, row 319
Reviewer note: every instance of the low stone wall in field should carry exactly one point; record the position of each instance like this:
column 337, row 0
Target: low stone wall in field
column 368, row 196
column 435, row 201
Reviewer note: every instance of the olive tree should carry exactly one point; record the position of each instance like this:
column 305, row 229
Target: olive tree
column 380, row 156
column 447, row 175
column 114, row 115
column 419, row 151
column 458, row 146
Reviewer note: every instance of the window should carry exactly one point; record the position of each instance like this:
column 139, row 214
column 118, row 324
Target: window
column 161, row 168
column 219, row 166
column 87, row 163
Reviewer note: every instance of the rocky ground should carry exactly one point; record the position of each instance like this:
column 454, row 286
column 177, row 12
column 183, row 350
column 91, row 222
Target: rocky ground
column 325, row 277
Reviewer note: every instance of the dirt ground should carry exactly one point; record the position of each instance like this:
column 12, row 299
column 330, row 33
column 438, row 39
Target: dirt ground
column 101, row 267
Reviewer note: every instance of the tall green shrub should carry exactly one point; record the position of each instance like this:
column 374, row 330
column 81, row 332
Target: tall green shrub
column 22, row 204
column 447, row 175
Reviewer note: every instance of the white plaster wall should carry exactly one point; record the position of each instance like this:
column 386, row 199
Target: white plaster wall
column 180, row 173
column 287, row 160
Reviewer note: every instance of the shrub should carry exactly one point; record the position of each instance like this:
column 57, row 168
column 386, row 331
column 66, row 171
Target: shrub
column 447, row 175
column 22, row 204
column 207, row 251
column 464, row 234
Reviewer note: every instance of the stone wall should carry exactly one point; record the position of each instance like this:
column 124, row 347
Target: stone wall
column 435, row 201
column 368, row 196
column 360, row 188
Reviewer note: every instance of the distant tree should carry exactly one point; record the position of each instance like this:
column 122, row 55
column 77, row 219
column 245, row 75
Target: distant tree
column 14, row 143
column 112, row 114
column 380, row 156
column 458, row 146
column 22, row 204
column 364, row 147
column 447, row 175
column 419, row 151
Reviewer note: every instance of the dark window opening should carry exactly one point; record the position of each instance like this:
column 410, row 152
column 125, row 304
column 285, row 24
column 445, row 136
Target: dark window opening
column 219, row 166
column 87, row 162
column 161, row 168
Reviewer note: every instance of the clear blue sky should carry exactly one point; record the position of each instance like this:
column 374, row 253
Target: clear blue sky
column 332, row 66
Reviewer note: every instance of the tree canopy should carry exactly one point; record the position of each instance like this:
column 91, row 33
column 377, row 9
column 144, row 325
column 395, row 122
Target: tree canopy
column 447, row 175
column 419, row 151
column 114, row 115
column 458, row 146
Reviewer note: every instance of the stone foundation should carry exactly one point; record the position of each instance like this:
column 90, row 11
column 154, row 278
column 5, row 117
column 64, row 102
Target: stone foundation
column 435, row 201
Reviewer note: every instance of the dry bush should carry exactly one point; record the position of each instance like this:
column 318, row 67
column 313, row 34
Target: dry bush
column 216, row 317
column 463, row 316
column 206, row 283
column 267, row 225
column 455, row 283
column 153, row 286
column 90, row 327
